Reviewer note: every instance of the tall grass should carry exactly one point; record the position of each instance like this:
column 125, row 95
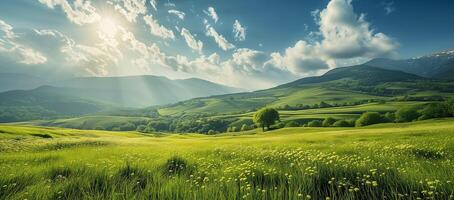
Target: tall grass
column 405, row 161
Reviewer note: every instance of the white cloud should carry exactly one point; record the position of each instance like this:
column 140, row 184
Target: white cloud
column 218, row 38
column 82, row 59
column 345, row 35
column 30, row 56
column 344, row 38
column 7, row 30
column 154, row 4
column 191, row 41
column 212, row 13
column 178, row 13
column 302, row 59
column 131, row 9
column 389, row 7
column 239, row 31
column 249, row 60
column 157, row 29
column 22, row 53
column 80, row 12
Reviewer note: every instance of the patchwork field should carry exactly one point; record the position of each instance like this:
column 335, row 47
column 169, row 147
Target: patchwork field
column 386, row 161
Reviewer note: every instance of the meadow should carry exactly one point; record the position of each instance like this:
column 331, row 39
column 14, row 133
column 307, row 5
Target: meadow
column 386, row 161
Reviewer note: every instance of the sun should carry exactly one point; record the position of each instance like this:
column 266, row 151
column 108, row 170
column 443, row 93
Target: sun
column 108, row 26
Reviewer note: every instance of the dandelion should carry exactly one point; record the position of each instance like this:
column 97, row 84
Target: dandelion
column 374, row 183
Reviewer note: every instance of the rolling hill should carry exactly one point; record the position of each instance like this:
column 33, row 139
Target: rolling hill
column 93, row 95
column 338, row 86
column 43, row 103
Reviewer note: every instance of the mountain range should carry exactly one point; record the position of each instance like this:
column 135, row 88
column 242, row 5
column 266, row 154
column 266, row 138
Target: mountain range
column 438, row 65
column 424, row 78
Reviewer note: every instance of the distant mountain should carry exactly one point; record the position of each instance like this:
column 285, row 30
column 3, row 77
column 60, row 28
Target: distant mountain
column 438, row 65
column 140, row 91
column 15, row 81
column 43, row 103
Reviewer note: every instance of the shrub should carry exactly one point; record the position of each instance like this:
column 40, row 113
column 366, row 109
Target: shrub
column 128, row 127
column 291, row 124
column 342, row 123
column 389, row 117
column 369, row 118
column 315, row 123
column 245, row 127
column 450, row 106
column 328, row 122
column 324, row 105
column 141, row 128
column 407, row 114
column 434, row 110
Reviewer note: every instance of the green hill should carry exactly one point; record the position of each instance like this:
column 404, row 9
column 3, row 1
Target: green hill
column 339, row 86
column 42, row 103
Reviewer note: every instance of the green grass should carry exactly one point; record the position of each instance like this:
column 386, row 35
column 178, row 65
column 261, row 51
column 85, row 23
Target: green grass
column 315, row 95
column 344, row 112
column 90, row 122
column 396, row 161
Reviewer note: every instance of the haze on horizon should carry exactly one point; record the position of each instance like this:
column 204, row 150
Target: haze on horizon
column 236, row 43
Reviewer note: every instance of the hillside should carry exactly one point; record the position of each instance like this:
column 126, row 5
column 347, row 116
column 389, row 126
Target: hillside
column 362, row 73
column 438, row 65
column 42, row 103
column 140, row 91
column 338, row 86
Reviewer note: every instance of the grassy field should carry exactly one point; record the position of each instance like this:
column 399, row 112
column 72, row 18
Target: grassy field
column 344, row 112
column 386, row 161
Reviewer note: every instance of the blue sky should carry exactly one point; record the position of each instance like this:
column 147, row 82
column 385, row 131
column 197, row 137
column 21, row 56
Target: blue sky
column 251, row 44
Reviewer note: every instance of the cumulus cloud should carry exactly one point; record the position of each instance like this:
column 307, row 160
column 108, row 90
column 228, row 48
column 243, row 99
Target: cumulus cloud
column 80, row 12
column 347, row 35
column 177, row 13
column 131, row 9
column 23, row 53
column 239, row 31
column 212, row 13
column 218, row 38
column 344, row 38
column 157, row 29
column 191, row 41
column 301, row 59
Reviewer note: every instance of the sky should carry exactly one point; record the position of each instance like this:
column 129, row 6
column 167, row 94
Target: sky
column 253, row 44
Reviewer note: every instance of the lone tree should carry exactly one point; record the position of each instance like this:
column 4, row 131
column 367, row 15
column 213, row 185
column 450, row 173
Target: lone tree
column 266, row 117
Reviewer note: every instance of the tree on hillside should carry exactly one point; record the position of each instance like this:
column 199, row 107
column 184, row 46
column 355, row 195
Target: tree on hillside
column 324, row 105
column 342, row 123
column 434, row 110
column 407, row 114
column 369, row 118
column 315, row 123
column 328, row 122
column 450, row 105
column 266, row 117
